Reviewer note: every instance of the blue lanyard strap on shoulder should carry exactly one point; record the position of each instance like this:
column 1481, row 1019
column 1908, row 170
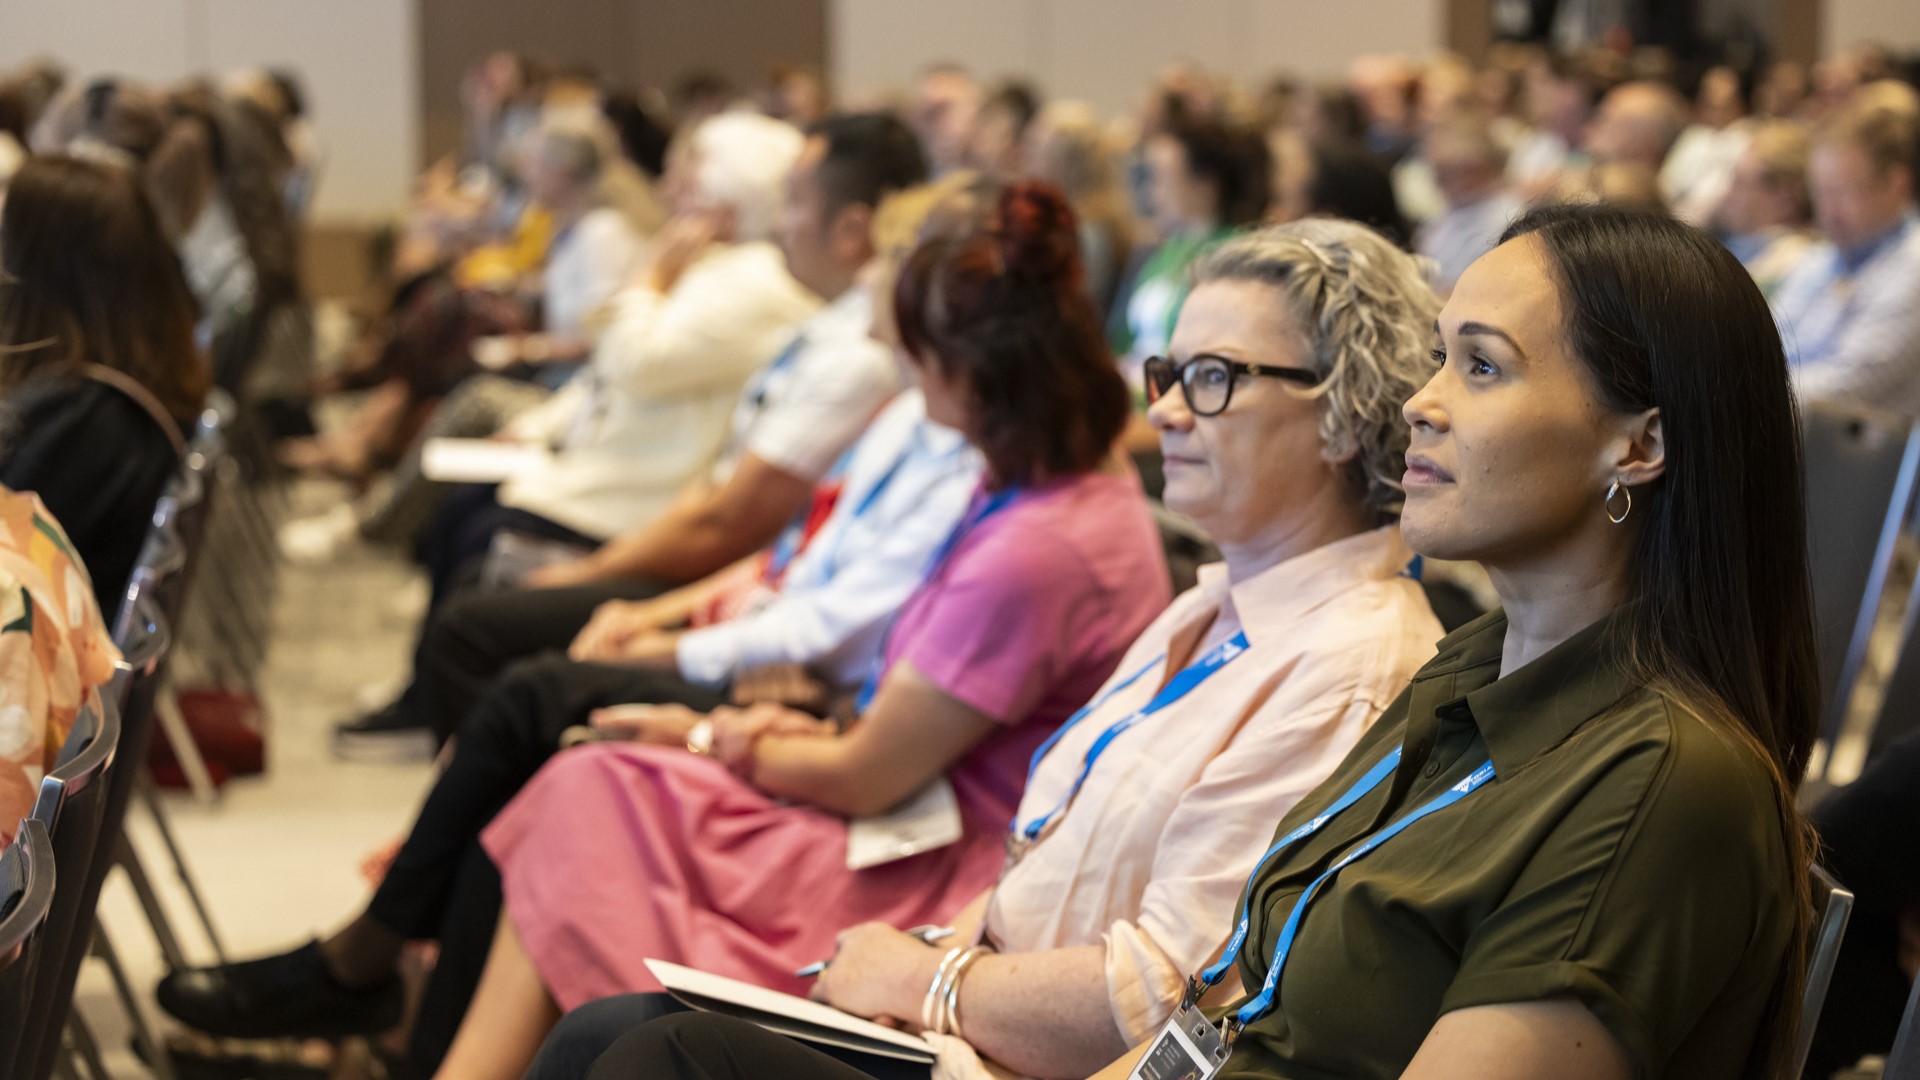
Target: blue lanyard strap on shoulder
column 1263, row 1003
column 1177, row 687
column 994, row 503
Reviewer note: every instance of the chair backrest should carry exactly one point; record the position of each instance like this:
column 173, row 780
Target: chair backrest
column 1903, row 1061
column 27, row 881
column 72, row 807
column 143, row 653
column 1832, row 907
column 1861, row 470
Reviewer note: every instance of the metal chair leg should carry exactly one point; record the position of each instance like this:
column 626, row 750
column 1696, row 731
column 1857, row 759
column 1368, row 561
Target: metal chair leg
column 150, row 798
column 173, row 724
column 149, row 1047
column 163, row 932
column 81, row 1045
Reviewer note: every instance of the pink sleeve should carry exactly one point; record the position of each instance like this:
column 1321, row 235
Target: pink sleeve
column 1007, row 623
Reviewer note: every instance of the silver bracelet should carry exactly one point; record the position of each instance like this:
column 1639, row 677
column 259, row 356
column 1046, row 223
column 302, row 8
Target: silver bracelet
column 950, row 1018
column 928, row 1003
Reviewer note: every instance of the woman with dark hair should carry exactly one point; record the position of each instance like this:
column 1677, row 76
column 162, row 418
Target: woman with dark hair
column 1206, row 178
column 1023, row 613
column 99, row 376
column 1615, row 880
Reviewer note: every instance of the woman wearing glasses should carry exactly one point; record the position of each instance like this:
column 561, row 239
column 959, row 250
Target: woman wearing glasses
column 1279, row 413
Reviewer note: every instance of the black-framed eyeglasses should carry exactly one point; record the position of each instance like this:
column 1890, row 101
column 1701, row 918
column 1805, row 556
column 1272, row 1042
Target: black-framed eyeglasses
column 1208, row 380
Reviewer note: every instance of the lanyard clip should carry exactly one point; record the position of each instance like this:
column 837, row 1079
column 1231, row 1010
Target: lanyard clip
column 1229, row 1031
column 1195, row 991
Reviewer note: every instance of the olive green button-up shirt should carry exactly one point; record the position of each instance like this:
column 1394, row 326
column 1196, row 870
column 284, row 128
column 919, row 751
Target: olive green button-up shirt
column 1625, row 854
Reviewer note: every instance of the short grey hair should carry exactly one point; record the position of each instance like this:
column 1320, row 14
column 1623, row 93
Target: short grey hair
column 1366, row 312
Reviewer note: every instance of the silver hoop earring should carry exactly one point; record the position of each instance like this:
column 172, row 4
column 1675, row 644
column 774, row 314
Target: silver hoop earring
column 1607, row 505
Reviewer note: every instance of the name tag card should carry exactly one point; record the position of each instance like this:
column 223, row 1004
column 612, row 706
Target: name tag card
column 1188, row 1048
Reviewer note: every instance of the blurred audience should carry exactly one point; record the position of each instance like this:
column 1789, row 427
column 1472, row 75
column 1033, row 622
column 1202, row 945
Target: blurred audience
column 1470, row 168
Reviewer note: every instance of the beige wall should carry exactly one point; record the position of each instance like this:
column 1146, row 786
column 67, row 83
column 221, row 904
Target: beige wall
column 1102, row 50
column 638, row 42
column 1893, row 23
column 356, row 57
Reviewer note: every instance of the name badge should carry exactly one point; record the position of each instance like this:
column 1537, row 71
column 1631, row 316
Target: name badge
column 1188, row 1048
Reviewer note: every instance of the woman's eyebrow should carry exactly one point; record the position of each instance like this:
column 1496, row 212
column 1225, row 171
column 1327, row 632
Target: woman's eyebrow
column 1480, row 329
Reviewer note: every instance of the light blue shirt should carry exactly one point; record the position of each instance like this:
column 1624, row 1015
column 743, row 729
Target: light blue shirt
column 1851, row 325
column 908, row 481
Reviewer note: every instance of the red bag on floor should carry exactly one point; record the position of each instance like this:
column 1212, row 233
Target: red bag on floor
column 226, row 725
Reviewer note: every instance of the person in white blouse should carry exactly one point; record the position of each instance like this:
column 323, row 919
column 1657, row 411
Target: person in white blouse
column 650, row 411
column 1278, row 411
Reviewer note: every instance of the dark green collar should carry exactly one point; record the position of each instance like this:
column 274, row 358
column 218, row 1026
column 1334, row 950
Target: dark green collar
column 1528, row 712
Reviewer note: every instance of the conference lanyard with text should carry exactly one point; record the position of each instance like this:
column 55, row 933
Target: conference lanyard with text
column 993, row 504
column 1022, row 837
column 1187, row 1049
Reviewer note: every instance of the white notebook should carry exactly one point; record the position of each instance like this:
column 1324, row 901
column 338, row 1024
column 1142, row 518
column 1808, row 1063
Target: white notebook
column 478, row 461
column 795, row 1017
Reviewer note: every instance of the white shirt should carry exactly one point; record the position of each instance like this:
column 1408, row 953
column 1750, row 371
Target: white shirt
column 586, row 266
column 1699, row 169
column 1852, row 334
column 1149, row 859
column 801, row 412
column 907, row 484
column 1459, row 236
column 649, row 414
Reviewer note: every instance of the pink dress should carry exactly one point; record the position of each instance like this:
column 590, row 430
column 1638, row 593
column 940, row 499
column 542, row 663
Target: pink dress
column 616, row 854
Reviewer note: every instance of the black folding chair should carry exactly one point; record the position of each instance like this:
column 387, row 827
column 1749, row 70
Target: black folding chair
column 1861, row 472
column 1832, row 907
column 26, row 899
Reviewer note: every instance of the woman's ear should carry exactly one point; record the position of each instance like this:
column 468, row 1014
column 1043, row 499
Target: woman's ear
column 1644, row 457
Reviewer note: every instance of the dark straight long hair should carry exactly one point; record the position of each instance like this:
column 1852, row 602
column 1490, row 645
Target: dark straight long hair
column 1664, row 317
column 87, row 276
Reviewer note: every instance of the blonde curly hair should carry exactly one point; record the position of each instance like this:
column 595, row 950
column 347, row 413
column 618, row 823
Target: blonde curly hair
column 1366, row 314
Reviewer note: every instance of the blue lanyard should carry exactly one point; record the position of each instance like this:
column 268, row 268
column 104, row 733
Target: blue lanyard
column 994, row 503
column 1177, row 687
column 1263, row 1003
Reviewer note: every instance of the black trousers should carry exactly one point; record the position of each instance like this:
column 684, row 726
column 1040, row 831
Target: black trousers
column 441, row 885
column 463, row 531
column 708, row 1046
column 473, row 637
column 1870, row 841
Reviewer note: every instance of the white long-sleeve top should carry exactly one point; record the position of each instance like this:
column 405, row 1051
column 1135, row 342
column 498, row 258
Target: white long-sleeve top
column 906, row 485
column 650, row 412
column 1852, row 327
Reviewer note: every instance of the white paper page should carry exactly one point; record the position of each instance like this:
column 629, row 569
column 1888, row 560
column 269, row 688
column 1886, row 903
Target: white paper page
column 927, row 821
column 686, row 980
column 478, row 461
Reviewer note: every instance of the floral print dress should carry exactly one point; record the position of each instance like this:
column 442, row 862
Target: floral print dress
column 55, row 652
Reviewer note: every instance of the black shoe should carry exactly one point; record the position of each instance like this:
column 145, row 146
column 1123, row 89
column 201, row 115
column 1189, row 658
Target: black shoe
column 386, row 736
column 292, row 995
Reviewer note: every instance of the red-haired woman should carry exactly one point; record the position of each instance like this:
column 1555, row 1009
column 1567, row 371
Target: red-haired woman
column 615, row 854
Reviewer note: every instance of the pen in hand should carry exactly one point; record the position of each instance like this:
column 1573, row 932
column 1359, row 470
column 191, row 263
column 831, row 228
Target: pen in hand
column 926, row 935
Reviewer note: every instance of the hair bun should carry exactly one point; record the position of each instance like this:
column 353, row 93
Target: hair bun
column 1038, row 237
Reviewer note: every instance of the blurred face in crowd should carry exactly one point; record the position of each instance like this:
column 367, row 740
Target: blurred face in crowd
column 995, row 145
column 1754, row 201
column 1464, row 172
column 548, row 181
column 1262, row 459
column 1719, row 103
column 824, row 248
column 1181, row 201
column 942, row 116
column 1855, row 201
column 1512, row 448
column 1633, row 125
column 1557, row 105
